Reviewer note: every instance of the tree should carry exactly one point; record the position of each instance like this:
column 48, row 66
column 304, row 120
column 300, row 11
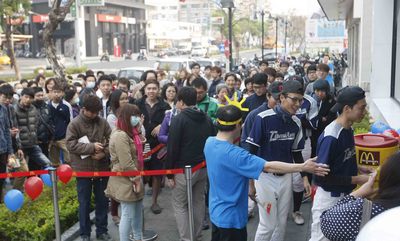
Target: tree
column 12, row 13
column 239, row 28
column 57, row 14
column 296, row 31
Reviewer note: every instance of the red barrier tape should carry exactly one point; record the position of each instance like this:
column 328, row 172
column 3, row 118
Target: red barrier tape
column 107, row 174
column 152, row 151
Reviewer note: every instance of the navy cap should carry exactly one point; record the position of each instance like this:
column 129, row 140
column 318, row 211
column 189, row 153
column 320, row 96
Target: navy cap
column 275, row 89
column 292, row 86
column 321, row 84
column 347, row 96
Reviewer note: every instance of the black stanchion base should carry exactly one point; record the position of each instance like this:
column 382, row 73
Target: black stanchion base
column 149, row 235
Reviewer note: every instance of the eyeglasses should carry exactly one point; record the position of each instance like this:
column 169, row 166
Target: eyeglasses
column 296, row 100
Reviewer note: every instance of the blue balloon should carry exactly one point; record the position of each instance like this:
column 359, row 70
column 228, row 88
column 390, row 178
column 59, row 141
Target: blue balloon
column 379, row 127
column 14, row 200
column 47, row 180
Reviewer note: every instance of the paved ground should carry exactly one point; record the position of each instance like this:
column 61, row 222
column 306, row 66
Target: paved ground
column 164, row 224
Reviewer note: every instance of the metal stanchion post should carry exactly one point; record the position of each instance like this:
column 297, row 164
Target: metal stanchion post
column 188, row 176
column 55, row 203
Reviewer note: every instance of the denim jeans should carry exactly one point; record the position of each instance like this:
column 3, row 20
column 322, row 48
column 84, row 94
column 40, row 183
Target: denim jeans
column 131, row 220
column 84, row 188
column 36, row 155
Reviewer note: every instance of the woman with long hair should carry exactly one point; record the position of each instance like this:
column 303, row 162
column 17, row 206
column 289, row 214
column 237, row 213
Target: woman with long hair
column 344, row 220
column 168, row 94
column 118, row 99
column 126, row 155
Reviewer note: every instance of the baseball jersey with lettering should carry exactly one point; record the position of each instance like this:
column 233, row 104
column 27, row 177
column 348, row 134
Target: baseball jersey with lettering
column 337, row 149
column 276, row 133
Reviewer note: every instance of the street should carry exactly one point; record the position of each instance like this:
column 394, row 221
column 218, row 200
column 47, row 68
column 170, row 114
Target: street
column 28, row 65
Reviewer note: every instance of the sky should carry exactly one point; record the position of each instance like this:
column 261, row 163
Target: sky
column 302, row 7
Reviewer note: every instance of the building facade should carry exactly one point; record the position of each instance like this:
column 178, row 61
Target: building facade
column 374, row 51
column 119, row 24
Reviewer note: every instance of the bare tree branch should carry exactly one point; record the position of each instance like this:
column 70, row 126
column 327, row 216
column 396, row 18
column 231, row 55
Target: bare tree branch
column 57, row 15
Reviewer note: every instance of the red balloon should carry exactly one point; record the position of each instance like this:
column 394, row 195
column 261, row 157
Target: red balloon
column 64, row 173
column 33, row 187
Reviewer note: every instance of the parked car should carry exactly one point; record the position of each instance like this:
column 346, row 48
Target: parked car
column 5, row 60
column 132, row 73
column 184, row 49
column 172, row 65
column 199, row 52
column 207, row 61
column 270, row 57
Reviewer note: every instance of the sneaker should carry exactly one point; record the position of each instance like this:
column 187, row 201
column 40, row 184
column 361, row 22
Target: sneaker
column 116, row 220
column 85, row 238
column 155, row 208
column 103, row 237
column 298, row 218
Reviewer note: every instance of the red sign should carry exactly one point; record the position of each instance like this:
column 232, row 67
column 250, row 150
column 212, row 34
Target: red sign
column 109, row 18
column 40, row 18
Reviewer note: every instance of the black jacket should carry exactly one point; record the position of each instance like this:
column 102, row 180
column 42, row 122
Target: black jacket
column 188, row 133
column 151, row 122
column 28, row 122
column 45, row 129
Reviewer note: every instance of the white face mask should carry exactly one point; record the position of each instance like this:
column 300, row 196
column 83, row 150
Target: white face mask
column 76, row 100
column 135, row 120
column 90, row 85
column 78, row 89
column 18, row 91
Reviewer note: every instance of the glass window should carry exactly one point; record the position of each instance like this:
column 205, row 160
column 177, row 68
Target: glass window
column 396, row 55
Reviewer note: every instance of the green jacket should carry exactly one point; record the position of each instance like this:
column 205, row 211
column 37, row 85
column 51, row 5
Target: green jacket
column 210, row 106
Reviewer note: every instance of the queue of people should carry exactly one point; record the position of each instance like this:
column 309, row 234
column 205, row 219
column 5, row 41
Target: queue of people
column 101, row 123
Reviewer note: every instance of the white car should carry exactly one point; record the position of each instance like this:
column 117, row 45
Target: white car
column 199, row 52
column 133, row 74
column 173, row 65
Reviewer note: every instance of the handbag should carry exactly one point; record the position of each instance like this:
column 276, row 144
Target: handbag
column 366, row 212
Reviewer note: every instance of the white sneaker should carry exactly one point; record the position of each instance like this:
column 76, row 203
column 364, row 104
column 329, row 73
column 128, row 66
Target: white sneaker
column 298, row 218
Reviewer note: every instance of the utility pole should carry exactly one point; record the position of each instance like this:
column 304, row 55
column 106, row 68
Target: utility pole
column 276, row 38
column 229, row 4
column 262, row 34
column 230, row 39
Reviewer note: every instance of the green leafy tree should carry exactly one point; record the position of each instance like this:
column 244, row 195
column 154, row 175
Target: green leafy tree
column 11, row 11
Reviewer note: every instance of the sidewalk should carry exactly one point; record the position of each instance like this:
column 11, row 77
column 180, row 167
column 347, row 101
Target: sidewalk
column 164, row 224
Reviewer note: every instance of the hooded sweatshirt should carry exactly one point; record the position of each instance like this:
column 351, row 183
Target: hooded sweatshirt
column 188, row 133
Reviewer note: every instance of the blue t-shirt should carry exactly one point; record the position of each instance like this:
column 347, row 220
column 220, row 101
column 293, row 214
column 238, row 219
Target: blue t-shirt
column 248, row 124
column 229, row 169
column 337, row 149
column 329, row 77
column 276, row 134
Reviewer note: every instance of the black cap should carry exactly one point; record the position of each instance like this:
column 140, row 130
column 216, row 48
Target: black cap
column 292, row 86
column 275, row 89
column 348, row 96
column 322, row 84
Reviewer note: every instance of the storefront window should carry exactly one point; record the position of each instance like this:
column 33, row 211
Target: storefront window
column 396, row 53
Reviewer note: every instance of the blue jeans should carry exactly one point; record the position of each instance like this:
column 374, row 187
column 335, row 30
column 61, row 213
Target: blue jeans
column 131, row 220
column 36, row 155
column 84, row 188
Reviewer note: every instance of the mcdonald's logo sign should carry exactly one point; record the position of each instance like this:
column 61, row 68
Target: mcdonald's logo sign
column 371, row 158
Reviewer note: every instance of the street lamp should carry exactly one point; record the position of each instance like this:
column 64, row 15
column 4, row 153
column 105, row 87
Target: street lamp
column 262, row 33
column 286, row 25
column 229, row 4
column 276, row 35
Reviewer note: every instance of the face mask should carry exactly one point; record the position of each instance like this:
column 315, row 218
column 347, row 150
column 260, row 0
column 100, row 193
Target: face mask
column 135, row 120
column 90, row 85
column 76, row 100
column 19, row 91
column 78, row 89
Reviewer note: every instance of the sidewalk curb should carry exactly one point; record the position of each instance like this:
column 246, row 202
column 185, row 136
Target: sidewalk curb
column 73, row 232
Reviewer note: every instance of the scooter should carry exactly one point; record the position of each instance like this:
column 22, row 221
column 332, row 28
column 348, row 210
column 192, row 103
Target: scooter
column 105, row 57
column 128, row 54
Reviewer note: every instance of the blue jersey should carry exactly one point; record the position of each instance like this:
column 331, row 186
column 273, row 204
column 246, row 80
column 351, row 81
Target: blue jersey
column 248, row 124
column 308, row 113
column 229, row 169
column 336, row 148
column 276, row 134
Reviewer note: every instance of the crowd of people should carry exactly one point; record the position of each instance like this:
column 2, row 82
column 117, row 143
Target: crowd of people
column 253, row 149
